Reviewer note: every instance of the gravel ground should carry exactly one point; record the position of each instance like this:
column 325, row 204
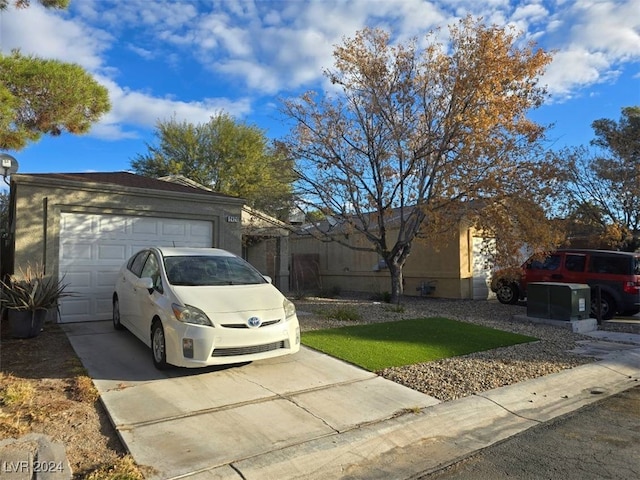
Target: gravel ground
column 461, row 376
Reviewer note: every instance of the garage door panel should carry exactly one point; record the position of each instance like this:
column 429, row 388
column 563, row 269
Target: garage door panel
column 112, row 252
column 72, row 308
column 106, row 278
column 104, row 307
column 171, row 228
column 111, row 225
column 144, row 226
column 69, row 250
column 93, row 248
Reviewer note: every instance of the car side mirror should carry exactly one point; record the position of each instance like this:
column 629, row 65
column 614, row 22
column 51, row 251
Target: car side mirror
column 145, row 282
column 267, row 278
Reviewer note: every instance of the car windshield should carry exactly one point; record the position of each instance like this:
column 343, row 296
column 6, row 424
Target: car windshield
column 209, row 270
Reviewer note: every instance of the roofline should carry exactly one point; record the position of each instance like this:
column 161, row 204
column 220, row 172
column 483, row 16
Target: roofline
column 44, row 181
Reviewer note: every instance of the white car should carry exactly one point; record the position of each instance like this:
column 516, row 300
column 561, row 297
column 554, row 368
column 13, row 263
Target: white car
column 203, row 306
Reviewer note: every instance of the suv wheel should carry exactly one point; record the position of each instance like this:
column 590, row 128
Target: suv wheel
column 508, row 293
column 607, row 306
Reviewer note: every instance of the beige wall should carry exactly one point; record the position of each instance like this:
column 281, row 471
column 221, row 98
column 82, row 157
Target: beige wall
column 448, row 264
column 39, row 203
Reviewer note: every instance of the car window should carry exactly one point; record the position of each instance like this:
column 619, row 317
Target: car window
column 636, row 265
column 209, row 270
column 136, row 264
column 152, row 270
column 552, row 262
column 617, row 265
column 575, row 263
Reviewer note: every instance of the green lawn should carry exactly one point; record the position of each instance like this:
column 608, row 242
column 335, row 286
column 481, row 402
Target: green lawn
column 380, row 345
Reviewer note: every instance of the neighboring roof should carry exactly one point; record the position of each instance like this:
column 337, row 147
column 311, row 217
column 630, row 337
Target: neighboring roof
column 182, row 180
column 125, row 179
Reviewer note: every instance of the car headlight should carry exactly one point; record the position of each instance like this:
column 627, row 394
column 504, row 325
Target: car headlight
column 289, row 308
column 190, row 314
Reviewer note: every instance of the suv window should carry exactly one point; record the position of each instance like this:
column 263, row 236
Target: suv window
column 575, row 263
column 552, row 262
column 610, row 264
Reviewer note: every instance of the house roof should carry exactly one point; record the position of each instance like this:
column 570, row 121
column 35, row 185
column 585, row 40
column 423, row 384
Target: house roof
column 126, row 179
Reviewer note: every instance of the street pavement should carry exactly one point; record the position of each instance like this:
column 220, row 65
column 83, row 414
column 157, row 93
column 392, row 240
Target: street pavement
column 598, row 441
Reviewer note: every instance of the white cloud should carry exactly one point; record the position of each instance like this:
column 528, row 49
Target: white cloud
column 134, row 109
column 259, row 47
column 50, row 35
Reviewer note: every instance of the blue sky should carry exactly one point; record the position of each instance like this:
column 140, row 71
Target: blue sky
column 191, row 59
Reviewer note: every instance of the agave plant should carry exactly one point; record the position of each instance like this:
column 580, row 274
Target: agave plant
column 32, row 290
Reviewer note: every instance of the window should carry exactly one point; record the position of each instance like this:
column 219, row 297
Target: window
column 575, row 263
column 552, row 262
column 152, row 270
column 617, row 265
column 137, row 262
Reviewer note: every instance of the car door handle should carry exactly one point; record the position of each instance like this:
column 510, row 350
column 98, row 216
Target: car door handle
column 556, row 276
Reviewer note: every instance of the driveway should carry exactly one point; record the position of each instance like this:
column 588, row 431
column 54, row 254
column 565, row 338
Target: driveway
column 310, row 416
column 201, row 422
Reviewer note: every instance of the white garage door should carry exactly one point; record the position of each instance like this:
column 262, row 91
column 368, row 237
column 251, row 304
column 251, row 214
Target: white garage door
column 93, row 248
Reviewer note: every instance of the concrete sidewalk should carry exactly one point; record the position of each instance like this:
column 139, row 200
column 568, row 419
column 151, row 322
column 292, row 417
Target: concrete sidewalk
column 311, row 416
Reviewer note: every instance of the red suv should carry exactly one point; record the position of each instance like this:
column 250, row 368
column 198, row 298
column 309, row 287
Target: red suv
column 616, row 273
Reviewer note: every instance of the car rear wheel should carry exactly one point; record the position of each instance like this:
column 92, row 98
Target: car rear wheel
column 607, row 306
column 116, row 314
column 508, row 293
column 158, row 346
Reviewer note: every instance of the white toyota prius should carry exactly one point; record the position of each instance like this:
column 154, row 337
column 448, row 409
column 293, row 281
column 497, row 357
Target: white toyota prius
column 203, row 306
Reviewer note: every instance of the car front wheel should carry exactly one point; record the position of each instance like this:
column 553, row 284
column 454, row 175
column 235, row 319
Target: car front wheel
column 158, row 346
column 507, row 293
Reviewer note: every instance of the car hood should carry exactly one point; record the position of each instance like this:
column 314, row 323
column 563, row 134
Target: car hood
column 230, row 298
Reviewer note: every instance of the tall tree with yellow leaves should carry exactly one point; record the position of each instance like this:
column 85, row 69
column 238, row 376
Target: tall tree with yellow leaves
column 412, row 140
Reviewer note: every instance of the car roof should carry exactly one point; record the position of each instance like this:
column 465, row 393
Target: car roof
column 193, row 252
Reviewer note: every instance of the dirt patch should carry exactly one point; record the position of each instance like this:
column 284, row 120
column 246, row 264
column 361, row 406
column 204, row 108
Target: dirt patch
column 45, row 389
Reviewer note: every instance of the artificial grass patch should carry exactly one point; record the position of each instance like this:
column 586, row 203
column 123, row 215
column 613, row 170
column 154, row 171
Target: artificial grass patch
column 377, row 346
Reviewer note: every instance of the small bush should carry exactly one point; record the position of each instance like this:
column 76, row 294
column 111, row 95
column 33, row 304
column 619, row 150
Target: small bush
column 345, row 314
column 17, row 393
column 124, row 469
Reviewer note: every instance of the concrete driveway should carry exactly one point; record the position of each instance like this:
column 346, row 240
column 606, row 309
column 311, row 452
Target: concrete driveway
column 310, row 416
column 185, row 422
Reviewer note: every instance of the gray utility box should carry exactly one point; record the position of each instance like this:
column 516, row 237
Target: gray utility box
column 558, row 301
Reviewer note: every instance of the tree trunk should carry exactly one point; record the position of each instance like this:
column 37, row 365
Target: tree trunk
column 397, row 287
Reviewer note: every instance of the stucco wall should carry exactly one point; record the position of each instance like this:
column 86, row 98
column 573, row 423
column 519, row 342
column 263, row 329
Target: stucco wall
column 39, row 203
column 446, row 262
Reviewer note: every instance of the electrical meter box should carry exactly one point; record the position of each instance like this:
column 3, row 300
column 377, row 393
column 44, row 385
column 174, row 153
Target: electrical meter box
column 558, row 301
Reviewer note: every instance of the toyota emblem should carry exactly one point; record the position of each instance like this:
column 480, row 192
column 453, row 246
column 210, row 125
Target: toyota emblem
column 254, row 322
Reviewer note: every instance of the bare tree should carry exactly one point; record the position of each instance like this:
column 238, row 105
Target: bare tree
column 411, row 140
column 604, row 184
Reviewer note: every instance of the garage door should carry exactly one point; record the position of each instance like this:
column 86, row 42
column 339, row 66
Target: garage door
column 94, row 247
